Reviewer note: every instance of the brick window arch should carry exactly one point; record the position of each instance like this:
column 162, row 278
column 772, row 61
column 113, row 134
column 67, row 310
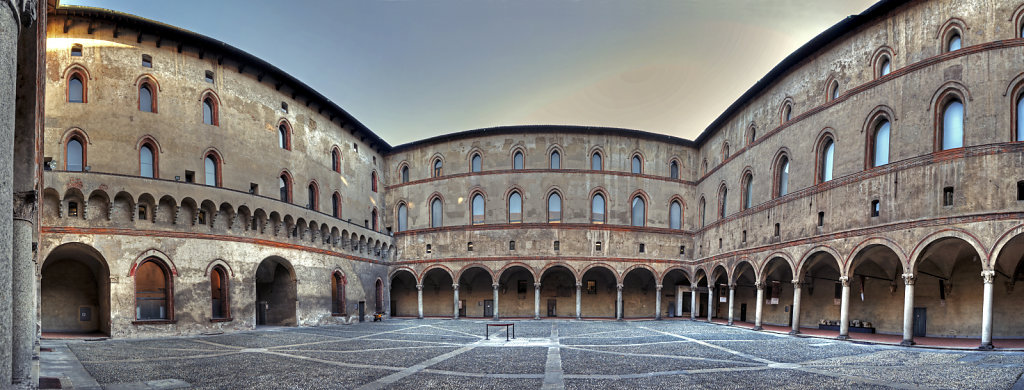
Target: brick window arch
column 638, row 209
column 477, row 205
column 515, row 207
column 436, row 211
column 950, row 116
column 723, row 201
column 554, row 207
column 212, row 168
column 75, row 151
column 636, row 164
column 881, row 61
column 284, row 135
column 437, row 167
column 336, row 205
column 220, row 297
column 781, row 174
column 149, row 159
column 825, row 162
column 210, row 105
column 402, row 212
column 596, row 161
column 313, row 196
column 284, row 183
column 476, row 162
column 373, row 181
column 747, row 193
column 518, row 158
column 338, row 284
column 78, row 86
column 598, row 207
column 673, row 169
column 336, row 159
column 154, row 291
column 147, row 101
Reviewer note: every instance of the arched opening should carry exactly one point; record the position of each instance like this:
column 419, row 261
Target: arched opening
column 276, row 295
column 219, row 293
column 476, row 163
column 438, row 295
column 516, row 292
column 948, row 290
column 699, row 298
column 820, row 291
column 639, row 294
column 74, row 291
column 403, row 294
column 778, row 293
column 676, row 294
column 598, row 293
column 338, row 285
column 745, row 294
column 876, row 291
column 558, row 292
column 476, row 295
column 1009, row 268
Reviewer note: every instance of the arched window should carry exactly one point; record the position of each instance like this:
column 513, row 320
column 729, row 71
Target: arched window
column 147, row 102
column 751, row 135
column 1020, row 118
column 597, row 206
column 748, row 190
column 373, row 181
column 477, row 162
column 954, row 42
column 338, row 294
column 885, row 68
column 313, row 197
column 637, row 164
column 146, row 162
column 515, row 208
column 517, row 160
column 701, row 216
column 152, row 292
column 953, row 125
column 212, row 170
column 75, row 155
column 209, row 111
column 284, row 139
column 554, row 208
column 638, row 211
column 782, row 176
column 405, row 174
column 675, row 215
column 595, row 162
column 826, row 159
column 373, row 217
column 673, row 170
column 221, row 307
column 403, row 217
column 725, row 151
column 76, row 89
column 285, row 185
column 478, row 209
column 723, row 202
column 438, row 165
column 336, row 160
column 787, row 113
column 833, row 90
column 880, row 149
column 555, row 162
column 336, row 205
column 436, row 213
column 704, row 168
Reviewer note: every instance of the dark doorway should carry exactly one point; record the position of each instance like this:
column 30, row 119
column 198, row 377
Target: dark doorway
column 394, row 308
column 362, row 311
column 488, row 308
column 275, row 293
column 552, row 305
column 920, row 322
column 743, row 312
column 462, row 308
column 75, row 279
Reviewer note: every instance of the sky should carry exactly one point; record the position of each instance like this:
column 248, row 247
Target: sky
column 412, row 69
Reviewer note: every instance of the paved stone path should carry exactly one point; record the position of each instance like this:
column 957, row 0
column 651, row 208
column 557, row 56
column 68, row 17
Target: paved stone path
column 403, row 354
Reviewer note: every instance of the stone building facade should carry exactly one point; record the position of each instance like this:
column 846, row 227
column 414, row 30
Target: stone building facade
column 878, row 166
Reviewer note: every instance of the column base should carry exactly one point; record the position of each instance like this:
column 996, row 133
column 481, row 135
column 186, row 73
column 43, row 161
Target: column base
column 536, row 318
column 496, row 319
column 729, row 323
column 658, row 318
column 907, row 343
column 794, row 332
column 419, row 317
column 986, row 347
column 842, row 337
column 757, row 327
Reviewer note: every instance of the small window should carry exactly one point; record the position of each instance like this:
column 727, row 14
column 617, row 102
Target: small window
column 512, row 245
column 476, row 162
column 556, row 245
column 954, row 42
column 719, row 243
column 211, row 170
column 783, row 176
column 201, row 217
column 143, row 213
column 147, row 61
column 675, row 215
column 875, row 208
column 827, row 159
column 637, row 164
column 428, row 249
column 76, row 50
column 1020, row 118
column 595, row 162
column 673, row 170
column 947, row 196
column 518, row 160
column 209, row 76
column 190, row 176
column 777, row 229
column 821, row 221
column 555, row 161
column 254, row 189
column 1020, row 190
column 284, row 107
column 641, row 249
column 312, row 197
column 72, row 209
column 682, row 249
column 748, row 190
column 355, row 147
column 744, row 237
column 405, row 174
column 597, row 246
column 469, row 246
column 787, row 113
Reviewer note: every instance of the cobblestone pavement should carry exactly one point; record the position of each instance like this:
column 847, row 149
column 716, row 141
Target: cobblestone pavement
column 445, row 354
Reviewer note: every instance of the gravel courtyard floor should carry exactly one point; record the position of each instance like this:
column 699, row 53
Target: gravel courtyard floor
column 446, row 354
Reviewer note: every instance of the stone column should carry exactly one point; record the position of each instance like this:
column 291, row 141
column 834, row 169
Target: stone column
column 455, row 289
column 23, row 287
column 657, row 302
column 9, row 27
column 732, row 297
column 579, row 299
column 496, row 286
column 693, row 302
column 679, row 303
column 711, row 302
column 759, row 306
column 844, row 309
column 536, row 301
column 986, row 310
column 908, row 309
column 618, row 302
column 419, row 301
column 796, row 307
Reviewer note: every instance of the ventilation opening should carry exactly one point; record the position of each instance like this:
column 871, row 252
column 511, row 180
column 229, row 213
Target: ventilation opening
column 190, row 177
column 947, row 196
column 875, row 208
column 284, row 107
column 597, row 246
column 821, row 218
column 682, row 249
column 254, row 189
column 469, row 246
column 744, row 236
column 147, row 61
column 776, row 229
column 511, row 245
column 642, row 248
column 428, row 249
column 557, row 245
column 209, row 76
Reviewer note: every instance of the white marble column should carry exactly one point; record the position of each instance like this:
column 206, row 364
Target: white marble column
column 693, row 302
column 419, row 301
column 618, row 302
column 711, row 301
column 844, row 309
column 986, row 310
column 732, row 306
column 657, row 302
column 536, row 301
column 579, row 306
column 679, row 302
column 796, row 307
column 908, row 309
column 759, row 306
column 495, row 286
column 455, row 289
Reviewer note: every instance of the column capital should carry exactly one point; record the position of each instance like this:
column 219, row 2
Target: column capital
column 496, row 285
column 797, row 283
column 579, row 285
column 908, row 279
column 455, row 286
column 759, row 285
column 658, row 287
column 732, row 286
column 419, row 287
column 536, row 285
column 845, row 280
column 618, row 287
column 988, row 276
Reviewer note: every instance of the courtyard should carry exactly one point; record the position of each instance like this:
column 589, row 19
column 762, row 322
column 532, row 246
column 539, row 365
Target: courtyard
column 447, row 354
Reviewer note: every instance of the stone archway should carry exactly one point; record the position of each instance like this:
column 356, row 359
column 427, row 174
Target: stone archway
column 404, row 294
column 75, row 291
column 276, row 295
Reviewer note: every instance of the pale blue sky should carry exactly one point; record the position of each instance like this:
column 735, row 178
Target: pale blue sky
column 413, row 69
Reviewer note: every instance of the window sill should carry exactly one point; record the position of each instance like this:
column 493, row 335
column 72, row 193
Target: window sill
column 154, row 322
column 221, row 319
